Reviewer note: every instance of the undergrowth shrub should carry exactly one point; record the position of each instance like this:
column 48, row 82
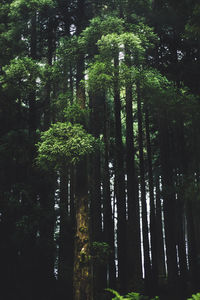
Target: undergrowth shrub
column 130, row 296
column 137, row 296
column 195, row 297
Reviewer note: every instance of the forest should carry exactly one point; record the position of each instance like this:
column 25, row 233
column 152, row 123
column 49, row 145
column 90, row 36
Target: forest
column 99, row 149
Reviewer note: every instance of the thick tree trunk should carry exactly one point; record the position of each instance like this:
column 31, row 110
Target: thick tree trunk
column 82, row 259
column 82, row 279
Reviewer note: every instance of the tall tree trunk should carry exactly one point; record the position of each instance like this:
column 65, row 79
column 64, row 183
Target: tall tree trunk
column 96, row 201
column 46, row 236
column 152, row 206
column 33, row 55
column 192, row 247
column 168, row 203
column 28, row 250
column 47, row 193
column 82, row 261
column 146, row 250
column 134, row 267
column 65, row 253
column 47, row 112
column 108, row 215
column 120, row 183
column 181, row 173
column 159, row 232
column 99, row 269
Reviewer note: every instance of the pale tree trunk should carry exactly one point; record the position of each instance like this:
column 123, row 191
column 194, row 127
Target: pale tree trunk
column 147, row 263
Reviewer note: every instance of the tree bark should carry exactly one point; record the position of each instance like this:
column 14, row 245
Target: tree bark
column 82, row 259
column 108, row 215
column 134, row 267
column 168, row 203
column 146, row 250
column 120, row 183
column 152, row 207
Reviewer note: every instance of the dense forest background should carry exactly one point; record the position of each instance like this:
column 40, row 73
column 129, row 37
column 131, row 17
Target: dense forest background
column 99, row 148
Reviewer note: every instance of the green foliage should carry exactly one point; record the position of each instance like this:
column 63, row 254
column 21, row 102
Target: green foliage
column 75, row 114
column 20, row 76
column 195, row 297
column 146, row 34
column 101, row 26
column 110, row 43
column 22, row 6
column 101, row 72
column 193, row 26
column 132, row 42
column 68, row 51
column 117, row 295
column 130, row 296
column 63, row 142
column 100, row 76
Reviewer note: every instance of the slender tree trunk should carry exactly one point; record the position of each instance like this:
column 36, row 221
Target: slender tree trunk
column 63, row 223
column 33, row 55
column 168, row 203
column 28, row 249
column 181, row 249
column 96, row 219
column 99, row 269
column 46, row 235
column 47, row 193
column 134, row 267
column 120, row 184
column 192, row 248
column 65, row 253
column 47, row 112
column 159, row 232
column 147, row 263
column 181, row 173
column 80, row 66
column 108, row 215
column 154, row 253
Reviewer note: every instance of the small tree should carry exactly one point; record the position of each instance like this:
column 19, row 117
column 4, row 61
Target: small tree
column 65, row 143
